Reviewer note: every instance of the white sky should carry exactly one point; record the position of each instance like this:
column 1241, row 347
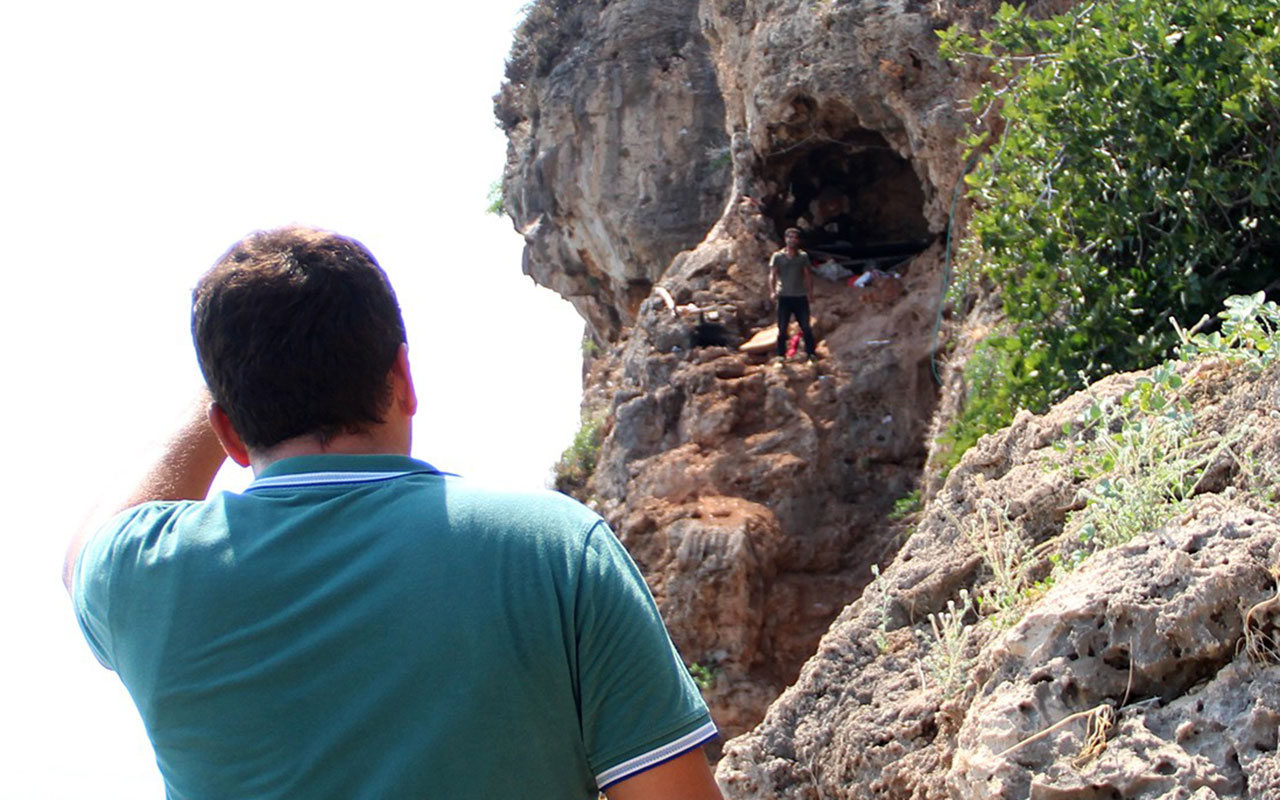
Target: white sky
column 140, row 139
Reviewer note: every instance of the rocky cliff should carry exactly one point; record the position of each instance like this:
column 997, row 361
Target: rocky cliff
column 657, row 150
column 665, row 145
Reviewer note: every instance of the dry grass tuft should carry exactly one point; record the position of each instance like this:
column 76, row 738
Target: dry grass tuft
column 1261, row 642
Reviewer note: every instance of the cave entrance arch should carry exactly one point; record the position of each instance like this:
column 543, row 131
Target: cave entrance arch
column 854, row 197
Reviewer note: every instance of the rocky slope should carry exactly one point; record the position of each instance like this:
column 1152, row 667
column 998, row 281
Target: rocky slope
column 1150, row 671
column 657, row 150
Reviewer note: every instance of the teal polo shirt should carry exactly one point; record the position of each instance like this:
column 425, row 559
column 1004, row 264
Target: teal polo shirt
column 367, row 627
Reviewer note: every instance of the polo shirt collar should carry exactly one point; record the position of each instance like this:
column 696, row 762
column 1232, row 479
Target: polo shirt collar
column 325, row 470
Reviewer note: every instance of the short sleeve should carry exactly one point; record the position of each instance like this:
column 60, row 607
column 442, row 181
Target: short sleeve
column 639, row 706
column 96, row 572
column 91, row 589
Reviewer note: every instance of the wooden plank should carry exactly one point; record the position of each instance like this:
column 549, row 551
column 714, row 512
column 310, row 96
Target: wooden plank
column 764, row 341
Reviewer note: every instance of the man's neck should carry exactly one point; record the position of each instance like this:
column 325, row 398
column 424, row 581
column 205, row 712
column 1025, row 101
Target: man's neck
column 380, row 441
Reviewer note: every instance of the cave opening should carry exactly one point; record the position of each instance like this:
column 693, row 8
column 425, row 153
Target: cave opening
column 856, row 200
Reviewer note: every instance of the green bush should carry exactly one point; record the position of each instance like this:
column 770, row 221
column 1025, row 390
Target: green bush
column 497, row 204
column 1136, row 180
column 578, row 461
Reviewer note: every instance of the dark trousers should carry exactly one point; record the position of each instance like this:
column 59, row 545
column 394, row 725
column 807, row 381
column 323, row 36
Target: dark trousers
column 799, row 308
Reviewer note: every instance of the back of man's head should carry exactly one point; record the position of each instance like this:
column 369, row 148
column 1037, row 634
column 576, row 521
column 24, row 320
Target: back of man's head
column 296, row 330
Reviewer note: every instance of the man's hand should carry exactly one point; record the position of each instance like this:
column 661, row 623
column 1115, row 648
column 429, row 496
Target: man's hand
column 686, row 777
column 182, row 470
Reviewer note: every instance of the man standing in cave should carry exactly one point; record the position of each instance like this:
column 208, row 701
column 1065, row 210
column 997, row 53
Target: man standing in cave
column 791, row 287
column 357, row 623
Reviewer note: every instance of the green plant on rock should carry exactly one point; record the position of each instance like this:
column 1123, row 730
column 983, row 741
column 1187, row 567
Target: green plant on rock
column 1261, row 477
column 704, row 677
column 1145, row 458
column 1136, row 179
column 1006, row 556
column 578, row 461
column 1250, row 332
column 905, row 506
column 719, row 156
column 878, row 595
column 1145, row 453
column 1152, row 467
column 999, row 376
column 947, row 660
column 497, row 204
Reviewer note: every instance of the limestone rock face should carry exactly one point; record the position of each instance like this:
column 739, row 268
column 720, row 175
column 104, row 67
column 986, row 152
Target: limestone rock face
column 1154, row 628
column 652, row 167
column 612, row 165
column 1151, row 671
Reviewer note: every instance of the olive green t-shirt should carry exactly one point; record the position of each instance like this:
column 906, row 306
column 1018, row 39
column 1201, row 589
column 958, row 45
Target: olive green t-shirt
column 790, row 271
column 364, row 627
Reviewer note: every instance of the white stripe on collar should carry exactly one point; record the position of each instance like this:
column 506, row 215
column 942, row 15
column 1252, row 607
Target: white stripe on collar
column 329, row 478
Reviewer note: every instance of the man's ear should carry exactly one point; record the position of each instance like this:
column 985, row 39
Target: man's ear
column 402, row 382
column 226, row 433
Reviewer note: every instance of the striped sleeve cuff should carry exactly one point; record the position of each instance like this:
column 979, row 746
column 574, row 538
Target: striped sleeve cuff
column 633, row 766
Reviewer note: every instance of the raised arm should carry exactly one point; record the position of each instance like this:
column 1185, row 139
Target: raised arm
column 686, row 777
column 182, row 470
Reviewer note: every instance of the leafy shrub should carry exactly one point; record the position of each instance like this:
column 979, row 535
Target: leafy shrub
column 497, row 205
column 1250, row 332
column 1136, row 180
column 578, row 461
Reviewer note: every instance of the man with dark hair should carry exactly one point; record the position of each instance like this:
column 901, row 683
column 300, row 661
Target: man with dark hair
column 357, row 624
column 296, row 331
column 791, row 287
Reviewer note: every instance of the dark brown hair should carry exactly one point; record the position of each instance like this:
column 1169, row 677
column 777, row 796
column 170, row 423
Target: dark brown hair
column 296, row 330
